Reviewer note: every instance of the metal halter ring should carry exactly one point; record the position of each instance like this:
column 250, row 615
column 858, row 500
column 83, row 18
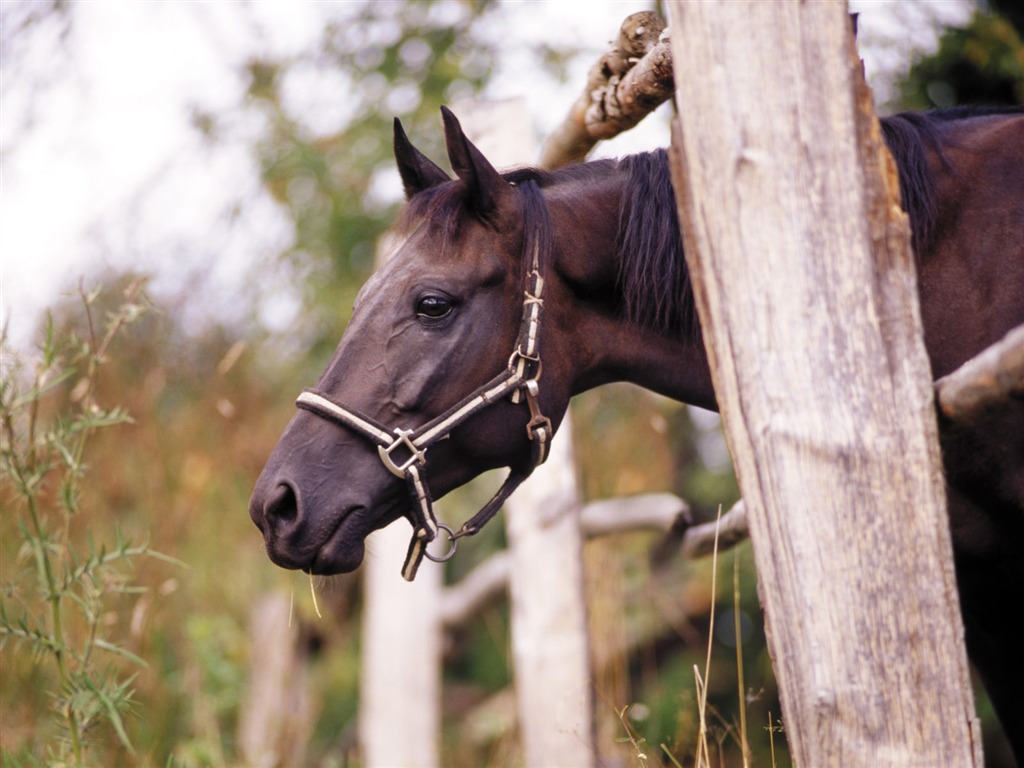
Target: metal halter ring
column 452, row 540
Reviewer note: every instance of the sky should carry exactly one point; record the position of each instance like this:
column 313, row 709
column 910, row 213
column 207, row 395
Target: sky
column 99, row 163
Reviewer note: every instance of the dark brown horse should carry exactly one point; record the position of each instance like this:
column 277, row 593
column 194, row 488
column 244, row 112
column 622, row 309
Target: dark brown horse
column 444, row 350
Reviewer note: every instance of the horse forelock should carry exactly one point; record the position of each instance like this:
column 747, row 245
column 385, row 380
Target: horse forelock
column 444, row 207
column 441, row 205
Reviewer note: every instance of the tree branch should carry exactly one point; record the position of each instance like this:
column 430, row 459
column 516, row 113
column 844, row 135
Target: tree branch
column 985, row 380
column 699, row 540
column 624, row 86
column 652, row 511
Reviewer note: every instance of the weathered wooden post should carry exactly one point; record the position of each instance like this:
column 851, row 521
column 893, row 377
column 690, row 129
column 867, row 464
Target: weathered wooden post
column 277, row 716
column 400, row 674
column 400, row 681
column 800, row 258
column 550, row 643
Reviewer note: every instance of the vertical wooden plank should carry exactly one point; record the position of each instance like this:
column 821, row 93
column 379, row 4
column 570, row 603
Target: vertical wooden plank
column 402, row 638
column 400, row 681
column 806, row 291
column 277, row 716
column 550, row 645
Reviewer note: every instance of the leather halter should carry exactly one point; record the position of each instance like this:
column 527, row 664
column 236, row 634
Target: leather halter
column 518, row 380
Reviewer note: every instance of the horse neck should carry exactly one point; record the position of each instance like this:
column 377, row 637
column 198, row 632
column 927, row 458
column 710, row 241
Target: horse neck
column 604, row 342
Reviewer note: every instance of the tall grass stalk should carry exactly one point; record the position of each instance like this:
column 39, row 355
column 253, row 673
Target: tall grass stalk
column 637, row 744
column 54, row 606
column 703, row 752
column 737, row 632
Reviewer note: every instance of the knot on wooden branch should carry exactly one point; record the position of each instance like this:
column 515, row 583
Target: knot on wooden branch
column 624, row 100
column 638, row 35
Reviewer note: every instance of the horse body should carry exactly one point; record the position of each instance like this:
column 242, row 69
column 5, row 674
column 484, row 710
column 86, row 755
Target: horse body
column 440, row 318
column 971, row 285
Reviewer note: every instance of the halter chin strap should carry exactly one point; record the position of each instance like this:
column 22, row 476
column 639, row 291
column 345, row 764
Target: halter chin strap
column 404, row 451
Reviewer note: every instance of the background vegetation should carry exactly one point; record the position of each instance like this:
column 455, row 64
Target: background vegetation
column 177, row 417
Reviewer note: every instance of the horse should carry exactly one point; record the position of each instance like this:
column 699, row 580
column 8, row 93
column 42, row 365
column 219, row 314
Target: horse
column 508, row 293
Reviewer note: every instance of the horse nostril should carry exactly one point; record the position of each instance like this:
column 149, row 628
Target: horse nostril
column 282, row 506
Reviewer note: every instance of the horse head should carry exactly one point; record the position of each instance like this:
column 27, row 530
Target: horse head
column 436, row 378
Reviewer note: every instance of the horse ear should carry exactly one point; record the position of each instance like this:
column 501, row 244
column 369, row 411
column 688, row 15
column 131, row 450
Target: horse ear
column 418, row 172
column 485, row 188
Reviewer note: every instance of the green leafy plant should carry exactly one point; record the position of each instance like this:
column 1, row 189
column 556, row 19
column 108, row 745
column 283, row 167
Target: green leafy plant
column 58, row 603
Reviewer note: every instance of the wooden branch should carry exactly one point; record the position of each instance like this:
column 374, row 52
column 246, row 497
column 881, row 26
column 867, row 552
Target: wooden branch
column 657, row 511
column 666, row 512
column 985, row 380
column 699, row 541
column 623, row 87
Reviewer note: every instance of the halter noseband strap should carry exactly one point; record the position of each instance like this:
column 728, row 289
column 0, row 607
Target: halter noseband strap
column 403, row 451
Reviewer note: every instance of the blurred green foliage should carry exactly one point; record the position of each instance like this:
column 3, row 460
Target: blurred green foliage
column 981, row 63
column 332, row 181
column 66, row 591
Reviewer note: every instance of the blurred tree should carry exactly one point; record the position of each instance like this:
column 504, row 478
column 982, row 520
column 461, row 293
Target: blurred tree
column 982, row 63
column 39, row 28
column 329, row 165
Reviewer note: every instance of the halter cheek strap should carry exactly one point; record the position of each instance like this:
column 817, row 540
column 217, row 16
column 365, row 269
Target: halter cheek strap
column 404, row 451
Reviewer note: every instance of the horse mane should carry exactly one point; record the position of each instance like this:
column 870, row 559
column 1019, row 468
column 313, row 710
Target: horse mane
column 653, row 280
column 652, row 270
column 908, row 135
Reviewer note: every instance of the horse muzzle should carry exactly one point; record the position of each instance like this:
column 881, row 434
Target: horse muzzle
column 295, row 540
column 316, row 501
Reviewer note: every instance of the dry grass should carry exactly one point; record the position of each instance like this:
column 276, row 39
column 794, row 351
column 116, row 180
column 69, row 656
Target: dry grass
column 715, row 731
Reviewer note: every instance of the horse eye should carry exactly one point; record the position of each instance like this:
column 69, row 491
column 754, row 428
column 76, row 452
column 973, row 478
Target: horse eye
column 433, row 306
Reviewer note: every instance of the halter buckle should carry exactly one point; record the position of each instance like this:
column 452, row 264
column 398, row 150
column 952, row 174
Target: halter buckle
column 417, row 456
column 538, row 423
column 519, row 355
column 538, row 420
